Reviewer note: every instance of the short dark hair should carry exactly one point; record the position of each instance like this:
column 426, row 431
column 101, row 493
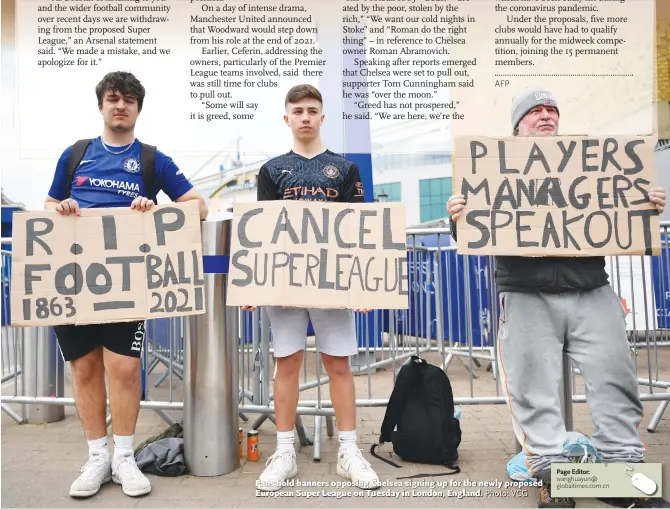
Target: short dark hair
column 122, row 82
column 300, row 92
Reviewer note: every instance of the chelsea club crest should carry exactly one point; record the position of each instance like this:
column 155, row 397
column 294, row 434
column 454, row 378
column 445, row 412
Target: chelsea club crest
column 131, row 165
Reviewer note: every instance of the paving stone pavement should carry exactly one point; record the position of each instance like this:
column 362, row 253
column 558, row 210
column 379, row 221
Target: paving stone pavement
column 39, row 461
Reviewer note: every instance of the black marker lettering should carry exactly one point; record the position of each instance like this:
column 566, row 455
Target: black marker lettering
column 646, row 227
column 587, row 229
column 125, row 262
column 338, row 221
column 502, row 160
column 550, row 230
column 93, row 272
column 551, row 186
column 284, row 225
column 567, row 154
column 235, row 260
column 356, row 270
column 320, row 236
column 567, row 236
column 115, row 304
column 67, row 270
column 523, row 190
column 637, row 162
column 387, row 233
column 266, row 258
column 586, row 144
column 645, row 194
column 581, row 201
column 197, row 280
column 520, row 228
column 505, row 193
column 362, row 230
column 629, row 228
column 324, row 284
column 467, row 189
column 32, row 235
column 109, row 231
column 292, row 268
column 619, row 190
column 169, row 275
column 391, row 271
column 608, row 154
column 474, row 155
column 311, row 266
column 161, row 226
column 402, row 262
column 276, row 264
column 471, row 219
column 338, row 270
column 377, row 280
column 242, row 236
column 181, row 263
column 536, row 155
column 29, row 277
column 496, row 225
column 602, row 195
column 154, row 278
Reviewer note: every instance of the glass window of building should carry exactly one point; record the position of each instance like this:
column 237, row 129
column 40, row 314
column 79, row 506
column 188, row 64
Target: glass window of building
column 391, row 190
column 433, row 196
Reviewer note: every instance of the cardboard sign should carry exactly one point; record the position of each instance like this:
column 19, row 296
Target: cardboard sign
column 106, row 265
column 557, row 196
column 319, row 255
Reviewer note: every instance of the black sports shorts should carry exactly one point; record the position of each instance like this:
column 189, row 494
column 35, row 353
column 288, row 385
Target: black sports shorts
column 124, row 338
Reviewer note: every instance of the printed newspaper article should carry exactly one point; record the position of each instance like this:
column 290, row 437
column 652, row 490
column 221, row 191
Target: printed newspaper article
column 470, row 306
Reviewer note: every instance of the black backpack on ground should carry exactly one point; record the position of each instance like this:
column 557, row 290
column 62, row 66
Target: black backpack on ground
column 422, row 408
column 147, row 165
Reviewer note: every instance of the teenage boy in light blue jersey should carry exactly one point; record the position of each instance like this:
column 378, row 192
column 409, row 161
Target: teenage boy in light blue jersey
column 110, row 174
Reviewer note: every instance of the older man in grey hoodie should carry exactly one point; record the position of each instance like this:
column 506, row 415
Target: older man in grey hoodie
column 551, row 304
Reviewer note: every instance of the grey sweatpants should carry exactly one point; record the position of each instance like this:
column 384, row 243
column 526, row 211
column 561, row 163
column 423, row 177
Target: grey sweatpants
column 534, row 330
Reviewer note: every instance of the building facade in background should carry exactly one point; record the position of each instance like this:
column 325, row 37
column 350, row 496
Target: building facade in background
column 422, row 180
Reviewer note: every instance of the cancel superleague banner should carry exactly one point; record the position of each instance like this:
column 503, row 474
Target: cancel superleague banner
column 315, row 254
column 557, row 196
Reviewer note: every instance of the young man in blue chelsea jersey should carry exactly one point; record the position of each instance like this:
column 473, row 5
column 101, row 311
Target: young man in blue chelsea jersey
column 312, row 173
column 109, row 175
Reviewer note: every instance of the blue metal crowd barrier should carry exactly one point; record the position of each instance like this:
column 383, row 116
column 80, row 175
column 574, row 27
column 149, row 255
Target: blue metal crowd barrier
column 661, row 283
column 6, row 286
column 437, row 272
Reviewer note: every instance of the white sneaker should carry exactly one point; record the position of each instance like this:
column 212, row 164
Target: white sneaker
column 96, row 472
column 352, row 465
column 280, row 467
column 126, row 473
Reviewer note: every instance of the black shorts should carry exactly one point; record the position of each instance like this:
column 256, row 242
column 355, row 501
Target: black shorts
column 124, row 338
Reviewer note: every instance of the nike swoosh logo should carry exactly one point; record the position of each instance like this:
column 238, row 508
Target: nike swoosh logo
column 87, row 161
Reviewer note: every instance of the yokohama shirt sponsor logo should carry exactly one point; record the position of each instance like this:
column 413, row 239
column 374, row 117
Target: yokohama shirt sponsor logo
column 113, row 184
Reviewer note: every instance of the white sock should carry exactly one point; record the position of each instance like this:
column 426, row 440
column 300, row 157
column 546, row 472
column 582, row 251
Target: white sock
column 347, row 439
column 123, row 446
column 285, row 441
column 98, row 446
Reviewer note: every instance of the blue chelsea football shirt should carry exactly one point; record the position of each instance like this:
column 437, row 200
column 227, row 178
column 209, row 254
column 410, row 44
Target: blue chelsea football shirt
column 103, row 179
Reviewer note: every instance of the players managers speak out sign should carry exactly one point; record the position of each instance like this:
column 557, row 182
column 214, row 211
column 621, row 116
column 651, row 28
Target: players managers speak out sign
column 319, row 255
column 557, row 196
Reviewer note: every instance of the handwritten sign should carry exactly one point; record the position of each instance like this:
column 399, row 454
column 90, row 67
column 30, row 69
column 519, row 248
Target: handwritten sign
column 319, row 255
column 557, row 196
column 107, row 265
